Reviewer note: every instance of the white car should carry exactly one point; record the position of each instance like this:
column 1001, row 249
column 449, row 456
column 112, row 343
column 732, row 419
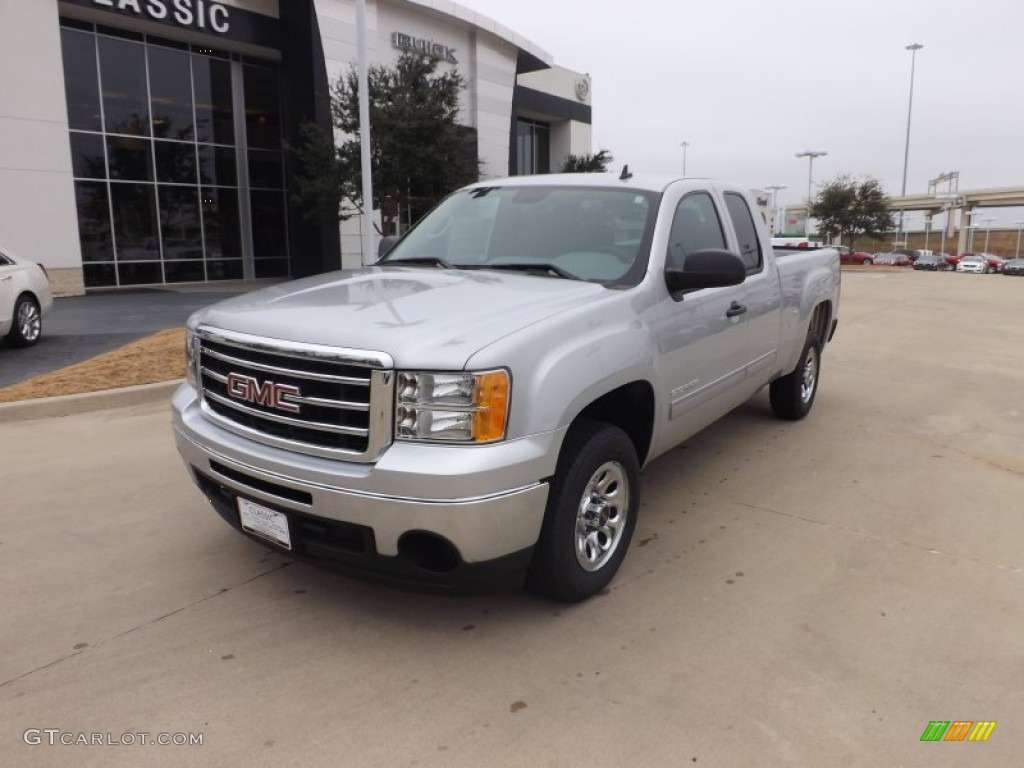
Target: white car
column 976, row 264
column 25, row 297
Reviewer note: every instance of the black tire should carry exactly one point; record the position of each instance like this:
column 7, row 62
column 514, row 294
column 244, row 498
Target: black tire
column 793, row 395
column 572, row 563
column 27, row 323
column 867, row 262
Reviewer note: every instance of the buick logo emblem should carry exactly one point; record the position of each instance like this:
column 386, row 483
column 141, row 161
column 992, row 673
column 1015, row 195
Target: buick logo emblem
column 268, row 393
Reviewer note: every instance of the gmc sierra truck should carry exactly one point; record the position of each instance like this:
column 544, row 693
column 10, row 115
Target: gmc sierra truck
column 475, row 408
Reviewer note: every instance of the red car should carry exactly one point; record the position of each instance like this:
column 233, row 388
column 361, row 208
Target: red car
column 953, row 259
column 857, row 257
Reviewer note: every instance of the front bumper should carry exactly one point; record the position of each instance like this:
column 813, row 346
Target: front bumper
column 482, row 504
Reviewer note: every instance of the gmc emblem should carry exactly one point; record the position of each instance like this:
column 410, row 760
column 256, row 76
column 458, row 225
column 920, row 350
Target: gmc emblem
column 268, row 393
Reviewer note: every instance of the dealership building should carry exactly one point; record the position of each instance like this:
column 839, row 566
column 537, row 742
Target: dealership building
column 144, row 142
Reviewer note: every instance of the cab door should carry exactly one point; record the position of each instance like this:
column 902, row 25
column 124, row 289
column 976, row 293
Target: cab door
column 762, row 295
column 699, row 335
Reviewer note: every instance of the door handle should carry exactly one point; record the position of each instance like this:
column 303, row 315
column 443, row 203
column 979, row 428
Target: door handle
column 5, row 278
column 735, row 309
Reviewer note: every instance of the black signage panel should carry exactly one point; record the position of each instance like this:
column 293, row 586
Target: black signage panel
column 208, row 16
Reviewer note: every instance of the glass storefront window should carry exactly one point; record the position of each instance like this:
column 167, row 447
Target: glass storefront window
column 135, row 222
column 153, row 150
column 180, row 230
column 268, row 224
column 215, row 114
column 123, row 76
column 221, row 223
column 170, row 92
column 265, row 169
column 94, row 221
column 130, row 158
column 81, row 85
column 217, row 166
column 87, row 160
column 262, row 108
column 175, row 162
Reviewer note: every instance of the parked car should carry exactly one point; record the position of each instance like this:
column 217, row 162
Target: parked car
column 856, row 257
column 25, row 298
column 976, row 264
column 931, row 263
column 892, row 259
column 500, row 425
column 952, row 259
column 995, row 263
column 1014, row 267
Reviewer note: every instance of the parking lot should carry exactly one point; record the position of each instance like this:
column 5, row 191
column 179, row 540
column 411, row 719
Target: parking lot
column 808, row 594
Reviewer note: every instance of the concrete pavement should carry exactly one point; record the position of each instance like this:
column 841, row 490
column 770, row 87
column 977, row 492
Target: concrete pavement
column 807, row 594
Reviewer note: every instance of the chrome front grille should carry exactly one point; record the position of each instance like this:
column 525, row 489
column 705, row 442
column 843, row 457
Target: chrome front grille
column 324, row 401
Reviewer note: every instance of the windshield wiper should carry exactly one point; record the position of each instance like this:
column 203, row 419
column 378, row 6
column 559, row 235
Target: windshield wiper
column 527, row 266
column 434, row 260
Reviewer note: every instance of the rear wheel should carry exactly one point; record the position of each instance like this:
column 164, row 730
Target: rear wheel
column 792, row 395
column 28, row 323
column 591, row 513
column 868, row 262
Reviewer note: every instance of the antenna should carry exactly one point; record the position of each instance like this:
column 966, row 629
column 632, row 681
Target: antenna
column 625, row 173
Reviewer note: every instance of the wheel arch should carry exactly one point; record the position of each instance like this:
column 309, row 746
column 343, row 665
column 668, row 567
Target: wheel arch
column 629, row 407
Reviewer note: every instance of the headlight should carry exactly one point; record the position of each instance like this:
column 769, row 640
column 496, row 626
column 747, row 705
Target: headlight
column 191, row 357
column 452, row 407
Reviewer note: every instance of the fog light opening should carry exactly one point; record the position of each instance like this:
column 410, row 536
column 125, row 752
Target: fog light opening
column 429, row 552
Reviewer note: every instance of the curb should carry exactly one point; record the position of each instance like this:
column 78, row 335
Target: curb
column 66, row 405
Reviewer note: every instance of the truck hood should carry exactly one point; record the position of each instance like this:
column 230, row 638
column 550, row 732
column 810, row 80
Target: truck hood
column 424, row 317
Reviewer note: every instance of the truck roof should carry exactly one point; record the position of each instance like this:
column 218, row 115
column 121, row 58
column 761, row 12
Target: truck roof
column 644, row 182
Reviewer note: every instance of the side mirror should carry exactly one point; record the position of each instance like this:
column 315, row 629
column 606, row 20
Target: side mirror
column 711, row 268
column 386, row 244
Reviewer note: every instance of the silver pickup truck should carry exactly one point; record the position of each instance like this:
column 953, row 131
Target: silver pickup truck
column 475, row 409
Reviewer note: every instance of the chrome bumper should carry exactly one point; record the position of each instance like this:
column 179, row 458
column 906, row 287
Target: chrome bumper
column 487, row 501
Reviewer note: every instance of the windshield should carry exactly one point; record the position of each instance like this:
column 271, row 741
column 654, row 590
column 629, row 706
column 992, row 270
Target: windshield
column 587, row 233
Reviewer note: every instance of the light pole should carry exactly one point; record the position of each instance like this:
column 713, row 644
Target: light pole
column 913, row 48
column 774, row 188
column 684, row 145
column 1016, row 254
column 810, row 154
column 988, row 227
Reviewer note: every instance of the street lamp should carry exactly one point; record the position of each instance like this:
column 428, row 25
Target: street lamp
column 988, row 226
column 1016, row 254
column 913, row 48
column 684, row 145
column 810, row 154
column 774, row 188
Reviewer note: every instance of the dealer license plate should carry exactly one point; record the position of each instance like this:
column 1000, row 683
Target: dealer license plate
column 265, row 522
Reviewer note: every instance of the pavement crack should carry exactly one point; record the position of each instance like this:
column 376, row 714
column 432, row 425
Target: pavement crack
column 882, row 539
column 147, row 623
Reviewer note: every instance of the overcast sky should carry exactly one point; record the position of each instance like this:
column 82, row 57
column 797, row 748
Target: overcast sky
column 749, row 83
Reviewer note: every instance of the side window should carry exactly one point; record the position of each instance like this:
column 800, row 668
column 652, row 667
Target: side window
column 4, row 261
column 750, row 244
column 695, row 226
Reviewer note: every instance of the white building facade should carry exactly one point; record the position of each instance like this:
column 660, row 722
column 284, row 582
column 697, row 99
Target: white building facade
column 145, row 142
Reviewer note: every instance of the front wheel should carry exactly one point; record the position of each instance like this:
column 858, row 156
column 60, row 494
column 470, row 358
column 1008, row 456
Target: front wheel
column 591, row 513
column 792, row 395
column 28, row 323
column 867, row 262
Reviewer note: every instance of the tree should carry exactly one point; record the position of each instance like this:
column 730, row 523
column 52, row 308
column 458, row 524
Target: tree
column 846, row 208
column 588, row 163
column 419, row 153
